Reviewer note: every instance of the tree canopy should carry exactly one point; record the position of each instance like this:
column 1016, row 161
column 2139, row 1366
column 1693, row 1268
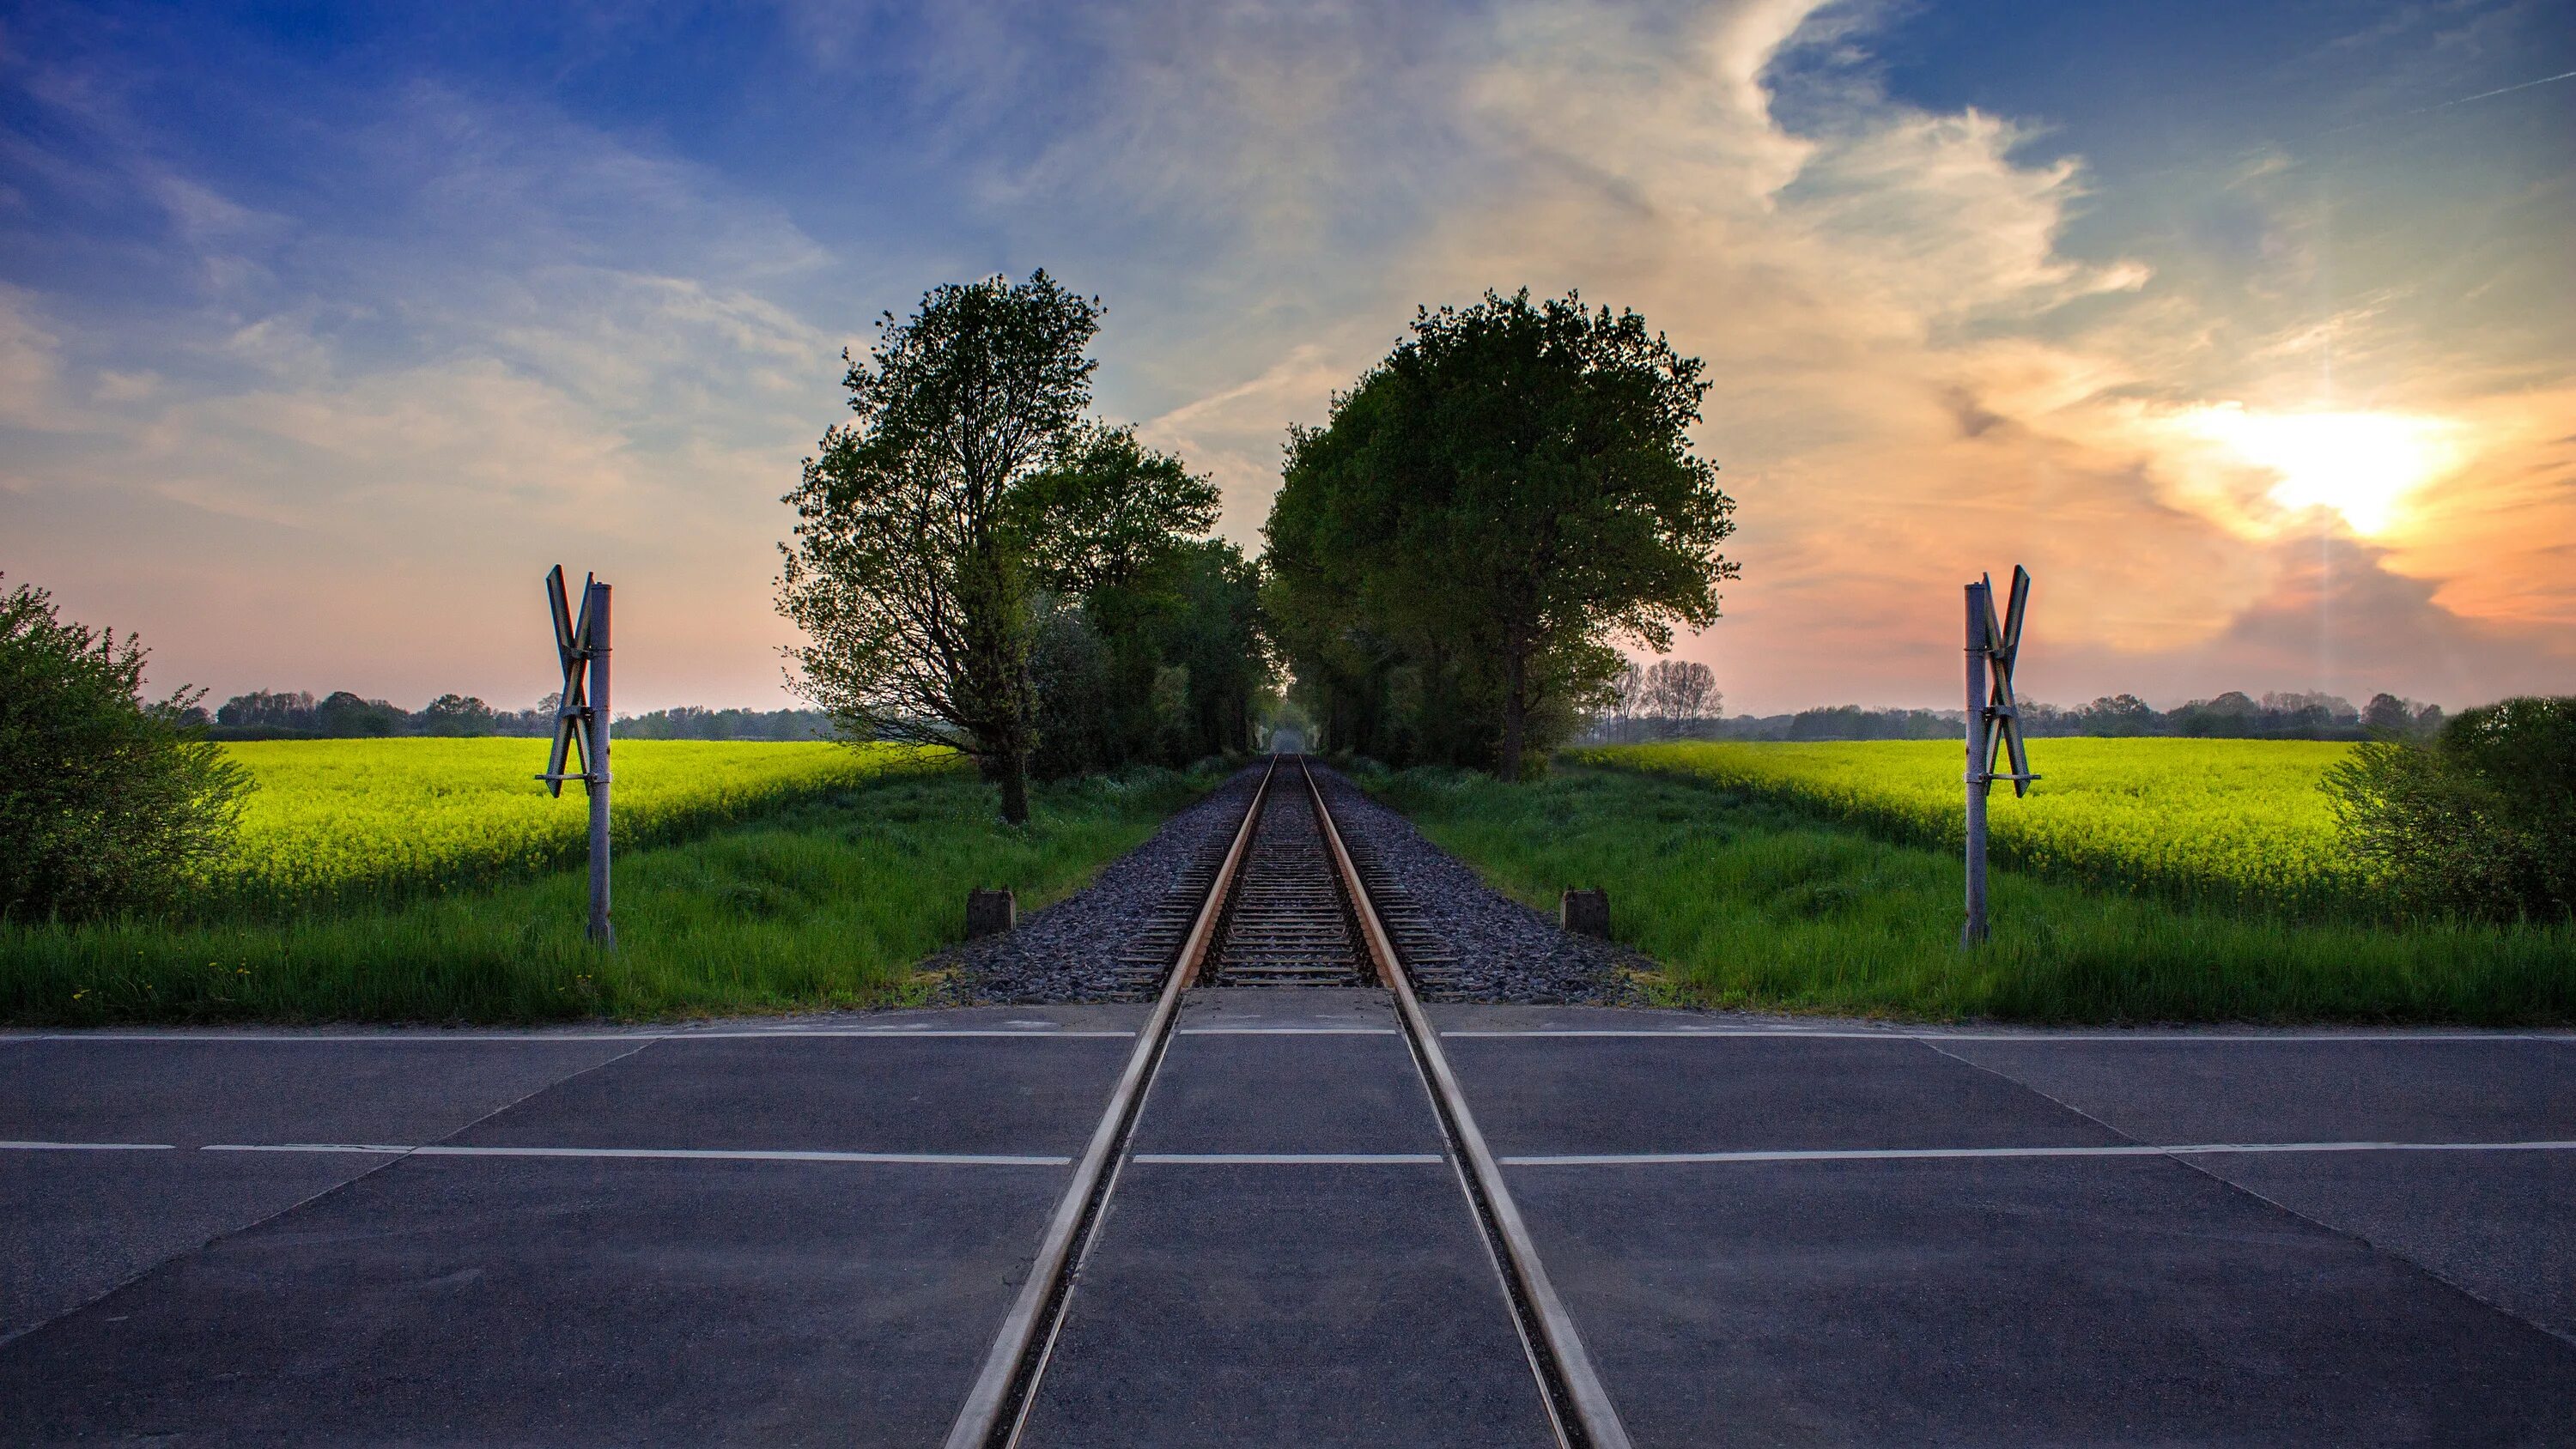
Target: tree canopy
column 974, row 541
column 904, row 573
column 1513, row 490
column 106, row 802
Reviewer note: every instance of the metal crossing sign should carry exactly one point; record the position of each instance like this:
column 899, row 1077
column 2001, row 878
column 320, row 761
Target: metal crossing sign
column 2002, row 713
column 581, row 724
column 574, row 638
column 1994, row 723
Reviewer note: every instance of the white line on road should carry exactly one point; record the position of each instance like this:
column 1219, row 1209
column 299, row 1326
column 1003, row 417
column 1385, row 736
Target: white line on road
column 2060, row 1038
column 1286, row 1159
column 1890, row 1154
column 548, row 1038
column 927, row 1159
column 86, row 1147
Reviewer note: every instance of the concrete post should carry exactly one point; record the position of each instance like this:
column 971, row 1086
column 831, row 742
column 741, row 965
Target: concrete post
column 989, row 913
column 1585, row 913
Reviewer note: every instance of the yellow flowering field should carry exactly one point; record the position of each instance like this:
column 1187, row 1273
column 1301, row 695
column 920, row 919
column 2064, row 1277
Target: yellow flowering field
column 2239, row 817
column 330, row 816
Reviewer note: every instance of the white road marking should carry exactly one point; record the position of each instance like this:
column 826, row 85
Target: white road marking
column 926, row 1159
column 1286, row 1159
column 2066, row 1038
column 87, row 1147
column 536, row 1039
column 1890, row 1154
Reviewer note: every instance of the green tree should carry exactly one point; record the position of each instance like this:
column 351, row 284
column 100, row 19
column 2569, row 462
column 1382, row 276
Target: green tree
column 2481, row 821
column 1107, row 510
column 106, row 802
column 907, row 571
column 456, row 714
column 343, row 715
column 1493, row 505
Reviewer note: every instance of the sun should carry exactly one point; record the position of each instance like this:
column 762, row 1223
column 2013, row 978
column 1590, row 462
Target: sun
column 2360, row 464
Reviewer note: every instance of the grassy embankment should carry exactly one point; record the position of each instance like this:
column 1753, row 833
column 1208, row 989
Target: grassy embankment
column 2148, row 881
column 424, row 880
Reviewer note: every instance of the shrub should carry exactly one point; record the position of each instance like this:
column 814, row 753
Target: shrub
column 2479, row 822
column 106, row 802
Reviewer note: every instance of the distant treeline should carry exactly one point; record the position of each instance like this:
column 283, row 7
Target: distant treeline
column 341, row 715
column 1653, row 715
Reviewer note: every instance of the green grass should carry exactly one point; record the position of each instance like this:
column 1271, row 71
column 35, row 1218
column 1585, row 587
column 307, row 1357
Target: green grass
column 825, row 901
column 367, row 819
column 1749, row 901
column 2227, row 820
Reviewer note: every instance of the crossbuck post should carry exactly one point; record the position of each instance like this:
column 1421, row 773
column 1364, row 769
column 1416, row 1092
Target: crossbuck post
column 581, row 726
column 1975, row 932
column 1994, row 725
column 596, row 606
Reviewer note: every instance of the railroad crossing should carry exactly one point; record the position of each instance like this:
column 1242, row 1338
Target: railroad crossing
column 1305, row 1213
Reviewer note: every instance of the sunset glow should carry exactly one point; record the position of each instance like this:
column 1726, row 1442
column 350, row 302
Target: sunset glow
column 2176, row 306
column 2362, row 465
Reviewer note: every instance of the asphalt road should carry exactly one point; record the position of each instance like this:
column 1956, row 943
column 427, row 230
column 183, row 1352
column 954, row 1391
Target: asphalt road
column 1767, row 1232
column 1288, row 1256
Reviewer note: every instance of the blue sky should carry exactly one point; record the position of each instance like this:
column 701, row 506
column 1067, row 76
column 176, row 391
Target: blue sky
column 325, row 329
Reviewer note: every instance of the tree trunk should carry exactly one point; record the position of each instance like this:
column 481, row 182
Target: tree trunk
column 1515, row 716
column 1014, row 774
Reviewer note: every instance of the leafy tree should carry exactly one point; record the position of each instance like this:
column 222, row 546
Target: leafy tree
column 1107, row 510
column 1165, row 667
column 1511, row 490
column 2386, row 714
column 106, row 801
column 1074, row 677
column 907, row 571
column 456, row 714
column 262, row 709
column 2119, row 714
column 343, row 715
column 1677, row 690
column 2481, row 821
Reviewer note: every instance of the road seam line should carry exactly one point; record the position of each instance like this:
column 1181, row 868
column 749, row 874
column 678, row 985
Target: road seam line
column 2070, row 1039
column 1286, row 1159
column 641, row 1038
column 717, row 1154
column 1289, row 1031
column 303, row 1202
column 1895, row 1154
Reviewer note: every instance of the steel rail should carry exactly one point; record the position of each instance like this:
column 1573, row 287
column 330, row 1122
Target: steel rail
column 1579, row 1405
column 997, row 1405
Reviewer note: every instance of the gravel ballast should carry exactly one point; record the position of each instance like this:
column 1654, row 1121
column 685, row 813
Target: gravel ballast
column 1069, row 951
column 1505, row 952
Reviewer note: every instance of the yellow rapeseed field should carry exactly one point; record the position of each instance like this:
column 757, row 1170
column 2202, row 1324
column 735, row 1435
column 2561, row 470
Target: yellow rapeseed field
column 2241, row 817
column 329, row 816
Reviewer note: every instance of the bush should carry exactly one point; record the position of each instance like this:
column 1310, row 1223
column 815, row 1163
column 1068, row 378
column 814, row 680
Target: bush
column 107, row 802
column 2481, row 821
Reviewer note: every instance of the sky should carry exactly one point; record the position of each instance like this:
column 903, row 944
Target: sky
column 325, row 330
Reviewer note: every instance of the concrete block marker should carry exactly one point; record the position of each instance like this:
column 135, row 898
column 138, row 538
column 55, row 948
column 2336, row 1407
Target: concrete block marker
column 1585, row 913
column 990, row 913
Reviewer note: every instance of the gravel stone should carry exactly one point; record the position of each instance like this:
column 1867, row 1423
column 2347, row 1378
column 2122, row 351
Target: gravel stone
column 1506, row 951
column 1069, row 951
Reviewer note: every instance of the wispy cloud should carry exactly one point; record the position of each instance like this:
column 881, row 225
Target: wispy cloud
column 452, row 329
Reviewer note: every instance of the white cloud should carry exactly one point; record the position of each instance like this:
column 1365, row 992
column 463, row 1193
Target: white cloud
column 31, row 368
column 517, row 337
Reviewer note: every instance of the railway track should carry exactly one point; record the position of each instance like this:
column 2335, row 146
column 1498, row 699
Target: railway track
column 1286, row 903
